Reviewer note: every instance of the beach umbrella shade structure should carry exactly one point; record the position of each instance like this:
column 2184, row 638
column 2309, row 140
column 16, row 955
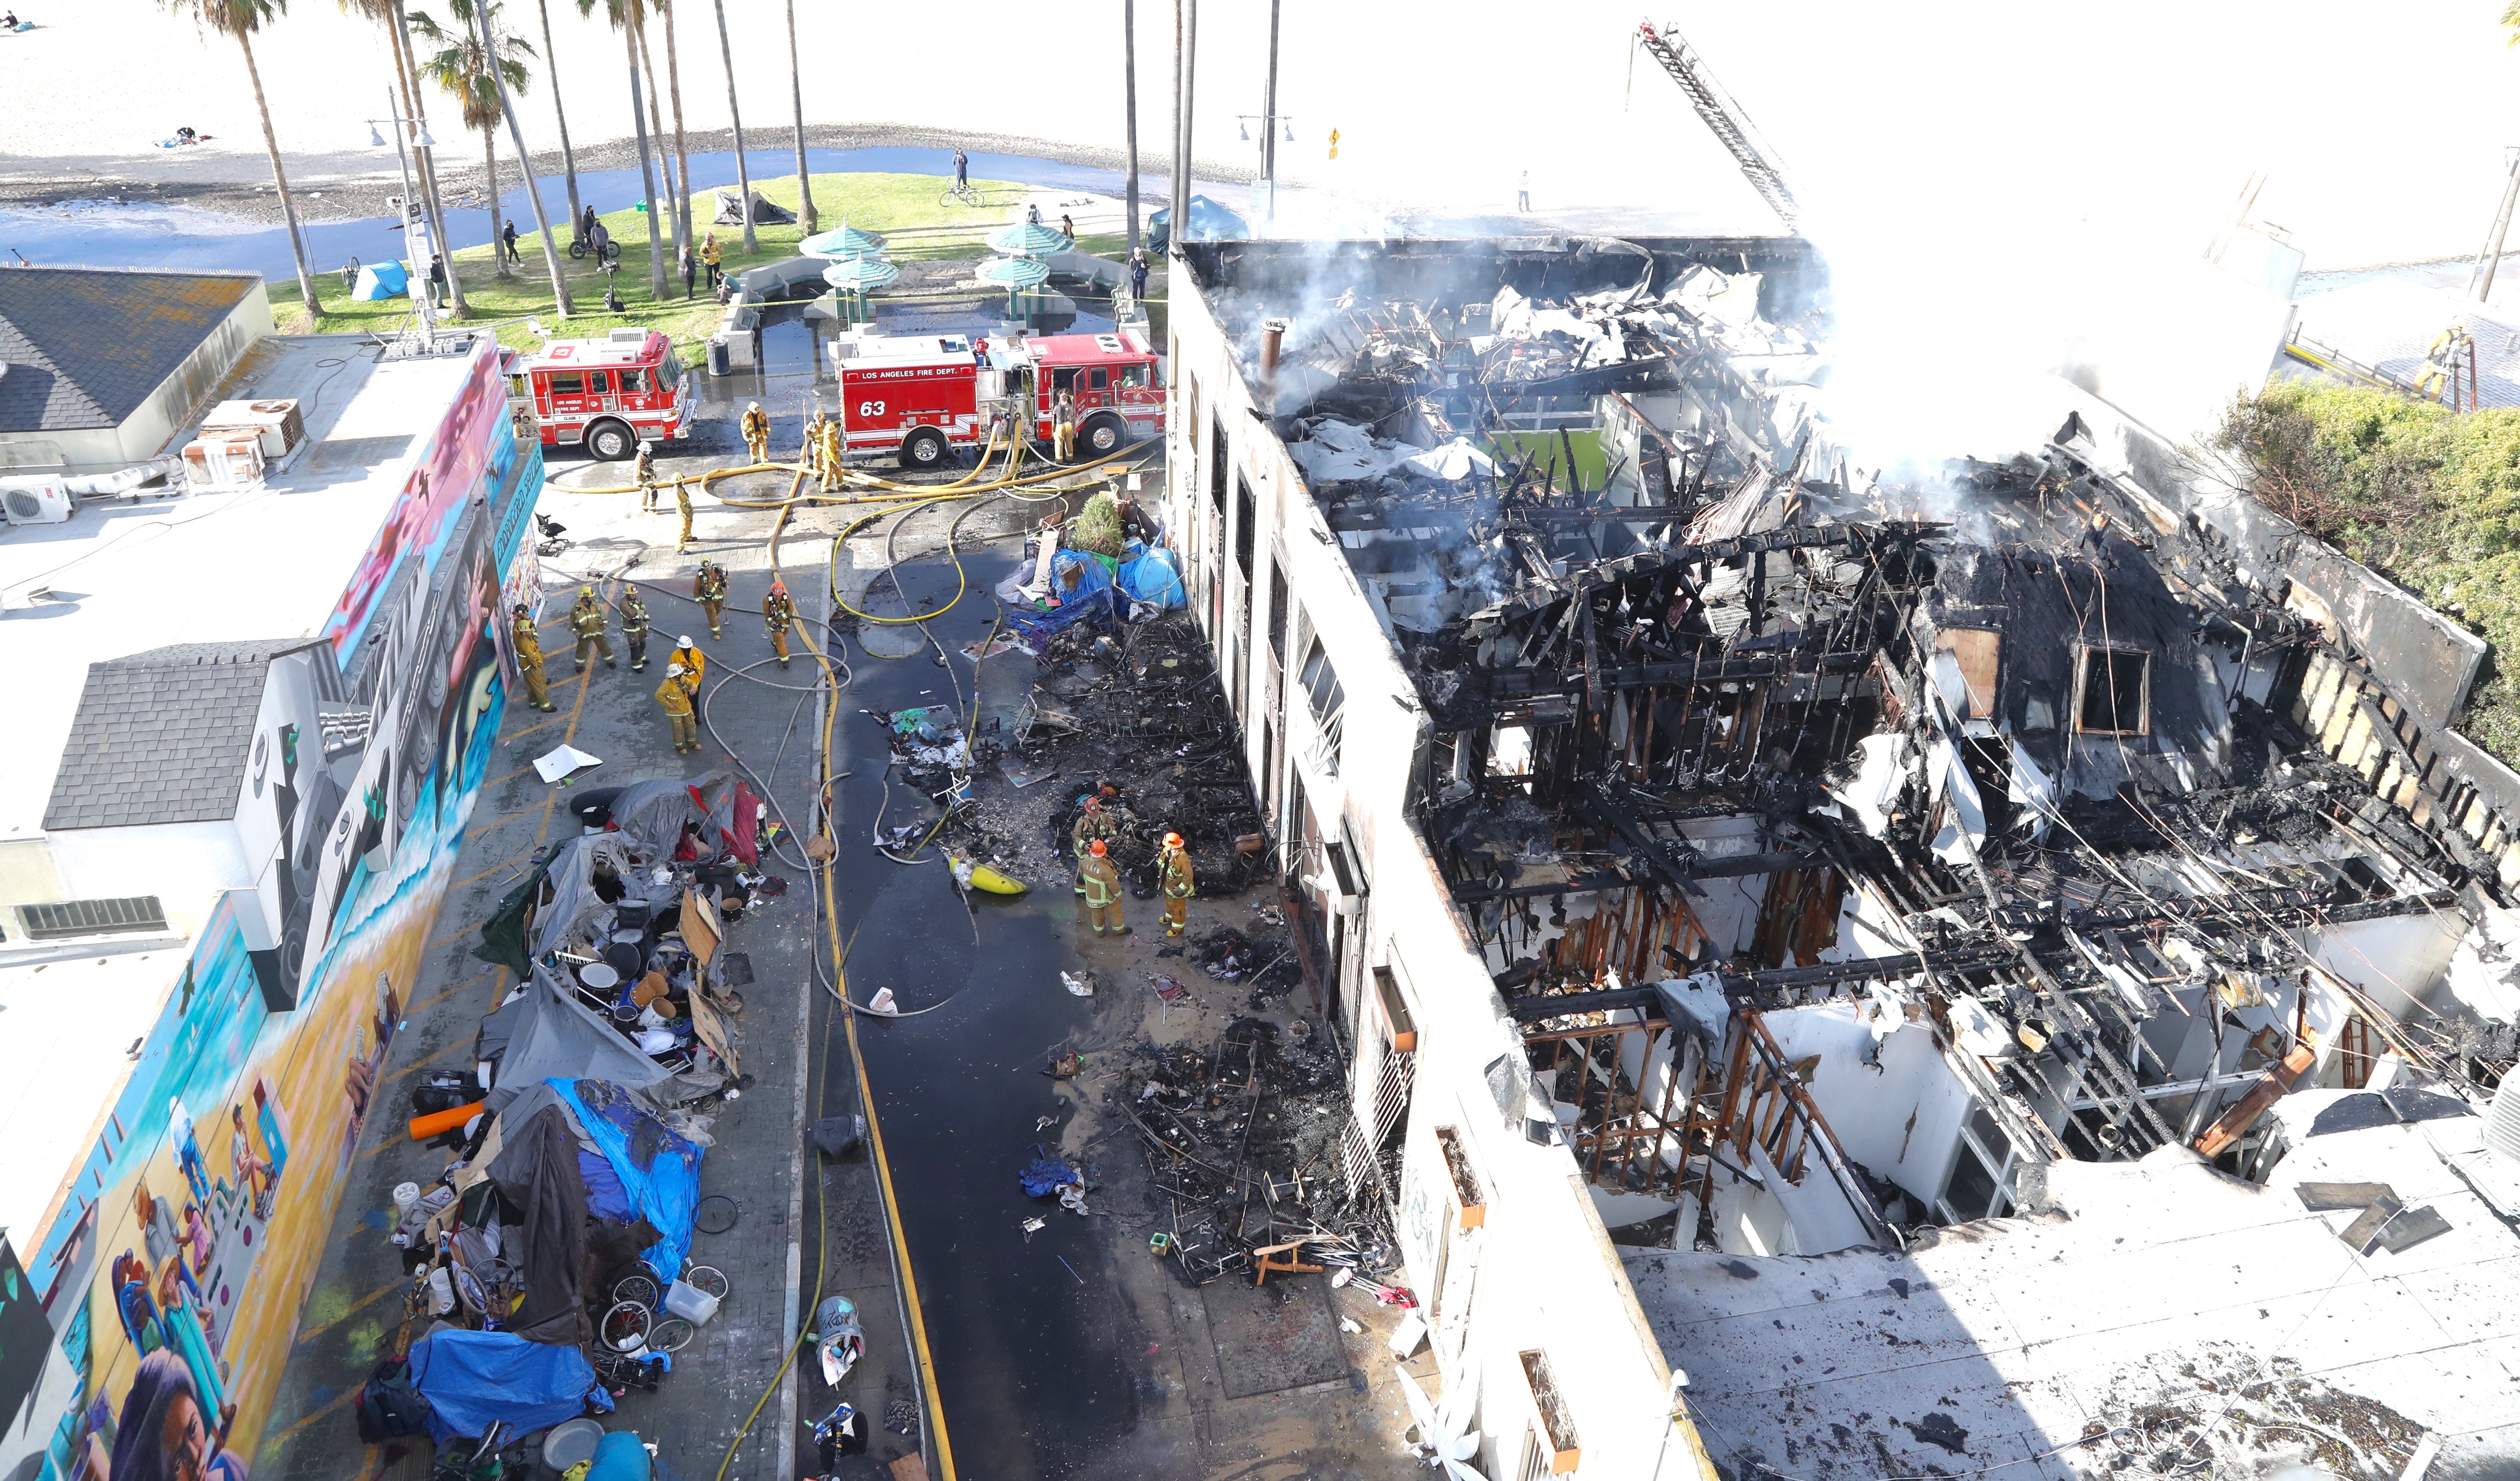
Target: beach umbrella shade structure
column 856, row 277
column 1014, row 275
column 1025, row 239
column 843, row 241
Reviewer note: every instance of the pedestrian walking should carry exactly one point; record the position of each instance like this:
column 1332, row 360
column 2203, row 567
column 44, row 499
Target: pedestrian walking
column 690, row 271
column 674, row 697
column 1100, row 883
column 755, row 427
column 1067, row 227
column 529, row 660
column 507, row 239
column 710, row 256
column 634, row 626
column 962, row 170
column 586, row 619
column 1063, row 426
column 683, row 506
column 695, row 662
column 1178, row 886
column 777, row 614
column 437, row 272
column 708, row 588
column 643, row 472
column 1522, row 193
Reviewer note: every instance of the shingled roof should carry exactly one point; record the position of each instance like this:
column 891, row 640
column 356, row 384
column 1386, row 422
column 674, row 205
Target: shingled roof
column 83, row 347
column 161, row 737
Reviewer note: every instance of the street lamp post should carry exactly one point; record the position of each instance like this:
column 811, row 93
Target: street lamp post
column 420, row 298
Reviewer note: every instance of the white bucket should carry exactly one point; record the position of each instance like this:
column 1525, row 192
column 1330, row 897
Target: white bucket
column 405, row 1195
column 691, row 1302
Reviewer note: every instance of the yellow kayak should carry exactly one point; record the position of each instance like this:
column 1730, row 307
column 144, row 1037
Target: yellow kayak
column 981, row 876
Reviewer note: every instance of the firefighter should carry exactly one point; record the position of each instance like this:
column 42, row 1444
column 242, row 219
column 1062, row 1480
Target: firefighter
column 1100, row 883
column 813, row 439
column 830, row 454
column 1063, row 426
column 529, row 660
column 755, row 427
column 683, row 504
column 645, row 471
column 1093, row 826
column 674, row 696
column 778, row 614
column 586, row 619
column 634, row 626
column 708, row 588
column 695, row 662
column 1177, row 884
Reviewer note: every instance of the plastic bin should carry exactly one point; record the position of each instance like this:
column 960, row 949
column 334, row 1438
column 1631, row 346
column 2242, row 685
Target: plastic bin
column 691, row 1302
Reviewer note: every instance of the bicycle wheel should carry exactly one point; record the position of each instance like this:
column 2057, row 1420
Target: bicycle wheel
column 612, row 252
column 706, row 1279
column 640, row 1288
column 625, row 1327
column 669, row 1336
column 468, row 1287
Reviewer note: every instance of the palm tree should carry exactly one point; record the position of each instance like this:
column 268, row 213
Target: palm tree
column 466, row 67
column 626, row 15
column 567, row 157
column 682, row 160
column 744, row 174
column 240, row 20
column 656, row 129
column 796, row 88
column 1129, row 66
column 390, row 14
column 533, row 191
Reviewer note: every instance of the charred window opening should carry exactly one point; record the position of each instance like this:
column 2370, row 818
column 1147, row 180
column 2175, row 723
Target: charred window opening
column 1216, row 465
column 1328, row 703
column 1245, row 514
column 1277, row 608
column 2113, row 691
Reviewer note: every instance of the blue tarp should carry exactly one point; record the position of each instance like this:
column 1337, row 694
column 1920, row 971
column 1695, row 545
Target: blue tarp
column 619, row 1457
column 1149, row 575
column 475, row 1379
column 1045, row 1174
column 379, row 281
column 660, row 1170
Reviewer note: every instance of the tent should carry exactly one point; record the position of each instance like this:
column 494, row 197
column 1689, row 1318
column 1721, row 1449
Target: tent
column 474, row 1381
column 379, row 281
column 549, row 1034
column 659, row 1169
column 730, row 210
column 536, row 1171
column 718, row 807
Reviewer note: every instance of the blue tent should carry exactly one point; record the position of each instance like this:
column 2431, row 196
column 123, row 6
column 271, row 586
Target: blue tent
column 1149, row 575
column 473, row 1381
column 381, row 281
column 660, row 1170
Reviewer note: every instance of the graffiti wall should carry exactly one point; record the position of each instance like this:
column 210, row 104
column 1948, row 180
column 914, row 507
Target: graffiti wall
column 174, row 1277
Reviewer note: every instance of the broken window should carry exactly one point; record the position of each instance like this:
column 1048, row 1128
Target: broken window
column 1216, row 467
column 2113, row 691
column 1327, row 701
column 1278, row 608
column 1245, row 514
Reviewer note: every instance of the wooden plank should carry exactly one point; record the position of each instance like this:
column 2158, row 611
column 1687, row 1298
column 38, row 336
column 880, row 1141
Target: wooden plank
column 2271, row 1087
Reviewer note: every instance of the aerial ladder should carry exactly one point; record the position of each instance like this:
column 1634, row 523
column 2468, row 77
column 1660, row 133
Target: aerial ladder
column 1730, row 126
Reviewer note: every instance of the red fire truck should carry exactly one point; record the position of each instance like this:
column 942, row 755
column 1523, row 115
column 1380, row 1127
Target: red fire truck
column 918, row 396
column 605, row 394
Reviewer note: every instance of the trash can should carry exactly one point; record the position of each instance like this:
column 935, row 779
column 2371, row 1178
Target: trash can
column 719, row 360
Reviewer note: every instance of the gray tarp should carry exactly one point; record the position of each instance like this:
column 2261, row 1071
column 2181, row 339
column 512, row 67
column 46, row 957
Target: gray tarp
column 572, row 918
column 538, row 1176
column 653, row 814
column 557, row 1037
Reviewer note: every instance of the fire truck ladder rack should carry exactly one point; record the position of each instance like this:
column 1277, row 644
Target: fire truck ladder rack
column 1722, row 116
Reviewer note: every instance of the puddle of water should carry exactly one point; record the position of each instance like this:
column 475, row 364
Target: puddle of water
column 101, row 234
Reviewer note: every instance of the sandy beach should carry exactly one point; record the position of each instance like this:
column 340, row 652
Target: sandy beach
column 1993, row 134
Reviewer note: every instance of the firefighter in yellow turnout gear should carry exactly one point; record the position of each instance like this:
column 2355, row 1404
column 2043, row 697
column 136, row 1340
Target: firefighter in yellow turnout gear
column 634, row 626
column 682, row 502
column 695, row 662
column 708, row 588
column 831, row 455
column 1092, row 825
column 1100, row 883
column 674, row 696
column 529, row 660
column 778, row 614
column 1178, row 886
column 755, row 427
column 586, row 619
column 645, row 471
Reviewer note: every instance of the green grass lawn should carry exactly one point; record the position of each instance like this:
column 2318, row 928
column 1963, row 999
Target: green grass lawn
column 903, row 207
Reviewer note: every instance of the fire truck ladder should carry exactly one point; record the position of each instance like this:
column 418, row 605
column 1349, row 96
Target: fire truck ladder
column 1722, row 116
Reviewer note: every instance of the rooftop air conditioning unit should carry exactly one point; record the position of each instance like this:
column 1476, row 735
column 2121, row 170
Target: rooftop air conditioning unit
column 274, row 421
column 230, row 461
column 37, row 501
column 627, row 336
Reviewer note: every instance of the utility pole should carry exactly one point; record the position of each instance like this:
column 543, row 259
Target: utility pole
column 1269, row 127
column 2482, row 278
column 1129, row 66
column 1185, row 94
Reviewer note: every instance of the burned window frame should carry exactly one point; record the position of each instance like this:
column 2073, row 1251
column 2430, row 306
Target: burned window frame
column 2001, row 1169
column 2082, row 652
column 1326, row 701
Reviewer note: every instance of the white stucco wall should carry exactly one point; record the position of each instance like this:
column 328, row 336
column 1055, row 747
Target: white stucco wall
column 185, row 865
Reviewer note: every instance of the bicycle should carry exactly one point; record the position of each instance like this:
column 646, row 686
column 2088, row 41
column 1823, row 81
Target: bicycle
column 611, row 251
column 959, row 193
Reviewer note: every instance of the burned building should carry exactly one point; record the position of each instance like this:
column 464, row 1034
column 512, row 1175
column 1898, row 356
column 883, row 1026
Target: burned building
column 1833, row 959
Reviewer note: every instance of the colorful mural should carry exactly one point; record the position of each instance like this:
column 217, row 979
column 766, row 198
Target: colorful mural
column 175, row 1273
